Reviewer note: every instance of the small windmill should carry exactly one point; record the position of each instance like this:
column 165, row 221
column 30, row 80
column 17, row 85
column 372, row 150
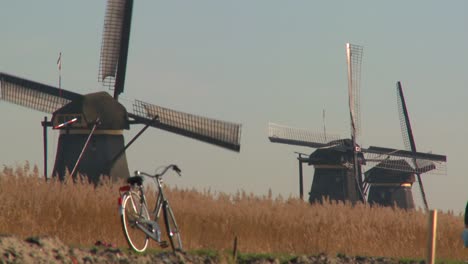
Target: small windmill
column 339, row 162
column 387, row 187
column 91, row 126
column 466, row 215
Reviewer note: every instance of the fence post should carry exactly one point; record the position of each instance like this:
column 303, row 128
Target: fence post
column 432, row 235
column 44, row 139
column 234, row 251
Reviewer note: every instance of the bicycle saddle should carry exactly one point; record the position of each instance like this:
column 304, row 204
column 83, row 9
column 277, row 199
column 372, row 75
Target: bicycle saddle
column 138, row 180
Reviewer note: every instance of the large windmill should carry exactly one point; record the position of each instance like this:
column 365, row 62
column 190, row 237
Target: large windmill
column 92, row 142
column 338, row 163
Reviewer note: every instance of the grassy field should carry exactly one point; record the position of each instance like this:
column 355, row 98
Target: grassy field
column 81, row 214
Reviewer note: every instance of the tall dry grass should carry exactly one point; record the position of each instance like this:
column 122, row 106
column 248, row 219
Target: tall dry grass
column 81, row 214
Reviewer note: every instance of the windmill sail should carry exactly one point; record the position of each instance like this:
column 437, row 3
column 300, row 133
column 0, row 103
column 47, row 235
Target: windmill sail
column 33, row 95
column 301, row 137
column 354, row 60
column 405, row 124
column 115, row 41
column 408, row 137
column 220, row 133
column 388, row 158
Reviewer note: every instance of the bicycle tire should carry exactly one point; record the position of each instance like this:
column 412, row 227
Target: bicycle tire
column 132, row 211
column 172, row 230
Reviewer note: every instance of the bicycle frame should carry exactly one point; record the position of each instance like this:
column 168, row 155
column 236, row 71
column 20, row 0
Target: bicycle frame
column 156, row 213
column 142, row 223
column 160, row 200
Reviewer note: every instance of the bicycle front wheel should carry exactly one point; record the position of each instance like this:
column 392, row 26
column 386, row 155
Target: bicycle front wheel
column 133, row 212
column 173, row 232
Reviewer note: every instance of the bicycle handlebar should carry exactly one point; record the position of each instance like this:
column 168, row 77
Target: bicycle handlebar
column 173, row 166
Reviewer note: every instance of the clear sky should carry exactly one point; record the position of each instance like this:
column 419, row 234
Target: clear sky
column 252, row 62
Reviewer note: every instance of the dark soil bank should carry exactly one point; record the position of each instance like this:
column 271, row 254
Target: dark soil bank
column 52, row 250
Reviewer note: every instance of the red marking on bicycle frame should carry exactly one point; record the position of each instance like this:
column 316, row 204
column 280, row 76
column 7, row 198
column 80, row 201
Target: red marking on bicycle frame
column 125, row 188
column 120, row 201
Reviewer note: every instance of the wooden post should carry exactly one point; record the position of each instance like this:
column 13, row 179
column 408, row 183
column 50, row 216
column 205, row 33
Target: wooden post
column 234, row 251
column 44, row 137
column 432, row 235
column 301, row 179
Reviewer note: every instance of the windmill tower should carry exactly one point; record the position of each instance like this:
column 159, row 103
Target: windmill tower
column 92, row 143
column 334, row 174
column 338, row 163
column 388, row 187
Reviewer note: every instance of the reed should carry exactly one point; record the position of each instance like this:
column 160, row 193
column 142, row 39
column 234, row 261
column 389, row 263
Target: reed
column 80, row 214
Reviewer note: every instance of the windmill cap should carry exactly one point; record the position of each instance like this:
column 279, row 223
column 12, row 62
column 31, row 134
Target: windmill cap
column 90, row 108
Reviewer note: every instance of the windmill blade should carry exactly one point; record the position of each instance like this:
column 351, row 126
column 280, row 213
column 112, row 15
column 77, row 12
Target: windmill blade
column 34, row 95
column 354, row 60
column 301, row 137
column 405, row 124
column 397, row 163
column 408, row 138
column 403, row 160
column 115, row 41
column 405, row 154
column 220, row 133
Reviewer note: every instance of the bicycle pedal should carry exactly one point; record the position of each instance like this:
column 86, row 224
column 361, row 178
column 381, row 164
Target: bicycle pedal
column 163, row 244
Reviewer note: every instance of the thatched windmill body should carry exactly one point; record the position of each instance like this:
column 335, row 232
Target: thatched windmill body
column 338, row 163
column 91, row 126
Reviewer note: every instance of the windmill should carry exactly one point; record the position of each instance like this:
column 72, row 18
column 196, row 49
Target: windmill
column 387, row 187
column 466, row 216
column 91, row 126
column 338, row 163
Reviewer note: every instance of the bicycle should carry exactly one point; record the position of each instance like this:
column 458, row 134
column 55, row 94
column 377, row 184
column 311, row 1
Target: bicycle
column 137, row 225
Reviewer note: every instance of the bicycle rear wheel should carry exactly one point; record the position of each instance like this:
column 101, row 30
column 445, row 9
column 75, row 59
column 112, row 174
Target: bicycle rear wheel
column 133, row 212
column 173, row 232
